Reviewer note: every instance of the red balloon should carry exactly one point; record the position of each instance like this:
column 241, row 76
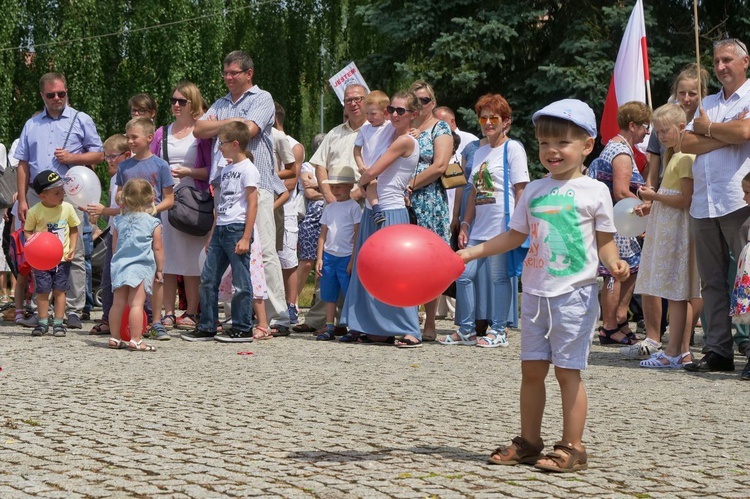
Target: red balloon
column 406, row 265
column 125, row 324
column 43, row 250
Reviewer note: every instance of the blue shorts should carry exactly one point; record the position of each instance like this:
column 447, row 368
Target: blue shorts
column 558, row 329
column 334, row 280
column 55, row 279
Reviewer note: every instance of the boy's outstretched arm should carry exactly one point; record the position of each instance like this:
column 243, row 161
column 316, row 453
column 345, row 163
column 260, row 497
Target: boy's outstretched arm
column 610, row 257
column 501, row 243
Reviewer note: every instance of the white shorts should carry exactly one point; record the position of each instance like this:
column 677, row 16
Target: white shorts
column 288, row 253
column 558, row 329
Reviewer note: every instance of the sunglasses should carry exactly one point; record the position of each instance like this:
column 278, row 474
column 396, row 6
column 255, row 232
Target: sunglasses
column 492, row 119
column 60, row 95
column 181, row 102
column 398, row 110
column 425, row 100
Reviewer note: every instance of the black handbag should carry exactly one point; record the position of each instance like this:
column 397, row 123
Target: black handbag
column 192, row 212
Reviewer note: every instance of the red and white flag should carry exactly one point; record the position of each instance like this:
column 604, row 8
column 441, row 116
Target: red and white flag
column 630, row 77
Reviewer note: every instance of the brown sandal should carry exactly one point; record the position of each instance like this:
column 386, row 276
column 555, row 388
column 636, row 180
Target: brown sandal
column 523, row 453
column 566, row 458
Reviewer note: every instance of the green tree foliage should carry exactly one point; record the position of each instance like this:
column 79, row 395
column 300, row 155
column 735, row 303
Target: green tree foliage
column 532, row 52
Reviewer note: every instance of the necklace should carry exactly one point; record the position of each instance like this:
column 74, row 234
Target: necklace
column 183, row 132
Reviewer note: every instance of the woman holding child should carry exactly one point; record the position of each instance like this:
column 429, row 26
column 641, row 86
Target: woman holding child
column 190, row 161
column 362, row 312
column 616, row 167
column 428, row 198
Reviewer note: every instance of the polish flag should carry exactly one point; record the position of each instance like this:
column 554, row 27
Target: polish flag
column 630, row 77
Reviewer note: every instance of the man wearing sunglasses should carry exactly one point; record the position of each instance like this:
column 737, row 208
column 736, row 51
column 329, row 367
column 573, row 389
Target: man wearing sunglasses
column 248, row 103
column 56, row 139
column 719, row 216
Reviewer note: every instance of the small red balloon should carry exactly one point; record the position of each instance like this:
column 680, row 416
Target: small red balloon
column 406, row 265
column 43, row 250
column 125, row 324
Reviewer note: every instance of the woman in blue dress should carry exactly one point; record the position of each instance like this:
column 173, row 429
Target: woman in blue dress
column 428, row 197
column 137, row 260
column 361, row 311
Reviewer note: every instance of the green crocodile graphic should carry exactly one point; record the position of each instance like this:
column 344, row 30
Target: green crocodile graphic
column 565, row 239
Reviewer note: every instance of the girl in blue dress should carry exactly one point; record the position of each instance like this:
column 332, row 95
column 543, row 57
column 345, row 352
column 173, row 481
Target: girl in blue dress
column 138, row 260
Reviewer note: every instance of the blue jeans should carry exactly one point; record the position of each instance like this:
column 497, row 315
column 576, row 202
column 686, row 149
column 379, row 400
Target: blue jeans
column 220, row 256
column 465, row 297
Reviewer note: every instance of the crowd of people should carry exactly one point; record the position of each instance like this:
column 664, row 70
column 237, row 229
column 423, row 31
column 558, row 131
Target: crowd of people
column 278, row 217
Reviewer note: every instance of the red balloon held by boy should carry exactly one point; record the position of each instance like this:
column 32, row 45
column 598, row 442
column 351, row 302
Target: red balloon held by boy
column 406, row 265
column 43, row 250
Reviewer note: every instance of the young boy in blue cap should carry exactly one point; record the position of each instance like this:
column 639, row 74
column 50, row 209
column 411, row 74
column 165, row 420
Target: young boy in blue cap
column 568, row 218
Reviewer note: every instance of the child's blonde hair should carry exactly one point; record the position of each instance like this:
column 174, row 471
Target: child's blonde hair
column 116, row 142
column 669, row 115
column 138, row 195
column 377, row 98
column 142, row 123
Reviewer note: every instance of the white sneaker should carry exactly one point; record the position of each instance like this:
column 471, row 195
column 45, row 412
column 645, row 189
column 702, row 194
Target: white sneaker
column 641, row 350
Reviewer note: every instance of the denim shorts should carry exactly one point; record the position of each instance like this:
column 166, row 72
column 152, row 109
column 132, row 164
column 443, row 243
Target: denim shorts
column 55, row 279
column 558, row 329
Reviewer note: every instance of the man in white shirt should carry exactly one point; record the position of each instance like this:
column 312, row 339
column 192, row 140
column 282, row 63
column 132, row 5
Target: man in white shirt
column 720, row 136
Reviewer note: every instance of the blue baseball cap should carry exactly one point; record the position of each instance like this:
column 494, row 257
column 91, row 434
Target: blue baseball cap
column 572, row 110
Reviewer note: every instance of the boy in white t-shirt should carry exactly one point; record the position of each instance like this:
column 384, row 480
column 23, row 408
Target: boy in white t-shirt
column 569, row 220
column 372, row 141
column 236, row 209
column 339, row 225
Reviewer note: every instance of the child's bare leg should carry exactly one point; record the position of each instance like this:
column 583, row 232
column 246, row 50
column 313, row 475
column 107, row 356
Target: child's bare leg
column 261, row 328
column 157, row 301
column 119, row 301
column 372, row 193
column 20, row 292
column 572, row 455
column 680, row 326
column 169, row 295
column 42, row 307
column 533, row 399
column 329, row 334
column 136, row 298
column 652, row 316
column 59, row 297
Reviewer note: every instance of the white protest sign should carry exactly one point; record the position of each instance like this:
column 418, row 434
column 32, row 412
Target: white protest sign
column 350, row 74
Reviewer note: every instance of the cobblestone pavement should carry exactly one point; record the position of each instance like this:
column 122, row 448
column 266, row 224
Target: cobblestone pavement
column 300, row 418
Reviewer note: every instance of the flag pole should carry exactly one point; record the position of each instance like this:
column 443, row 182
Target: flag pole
column 697, row 49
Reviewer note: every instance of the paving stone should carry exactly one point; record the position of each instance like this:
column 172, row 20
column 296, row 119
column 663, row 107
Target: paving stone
column 301, row 418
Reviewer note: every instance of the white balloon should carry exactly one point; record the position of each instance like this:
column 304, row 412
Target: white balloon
column 627, row 222
column 82, row 186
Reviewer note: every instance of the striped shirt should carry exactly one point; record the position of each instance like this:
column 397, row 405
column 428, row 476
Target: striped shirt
column 255, row 105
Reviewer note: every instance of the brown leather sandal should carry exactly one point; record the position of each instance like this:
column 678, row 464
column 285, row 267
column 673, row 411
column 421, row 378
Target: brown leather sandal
column 566, row 459
column 523, row 453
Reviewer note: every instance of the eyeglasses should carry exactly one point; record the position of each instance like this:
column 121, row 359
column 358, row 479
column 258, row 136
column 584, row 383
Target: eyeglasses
column 425, row 100
column 139, row 112
column 60, row 95
column 351, row 100
column 181, row 102
column 112, row 157
column 398, row 110
column 492, row 119
column 646, row 126
column 233, row 74
column 221, row 143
